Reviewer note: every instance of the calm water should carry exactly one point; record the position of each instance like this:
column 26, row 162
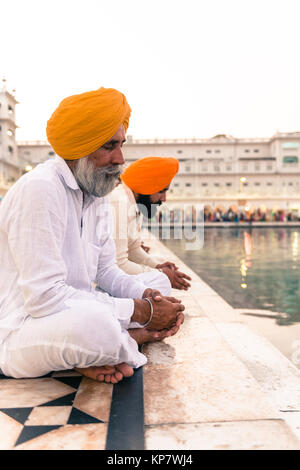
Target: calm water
column 254, row 268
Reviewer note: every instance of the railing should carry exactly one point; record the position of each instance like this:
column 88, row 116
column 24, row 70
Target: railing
column 32, row 142
column 195, row 140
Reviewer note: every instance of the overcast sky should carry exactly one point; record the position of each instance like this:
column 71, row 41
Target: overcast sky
column 191, row 68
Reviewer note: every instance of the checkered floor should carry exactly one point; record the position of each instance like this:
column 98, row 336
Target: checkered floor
column 62, row 410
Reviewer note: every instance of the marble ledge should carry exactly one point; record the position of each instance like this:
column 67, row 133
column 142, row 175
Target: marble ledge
column 238, row 435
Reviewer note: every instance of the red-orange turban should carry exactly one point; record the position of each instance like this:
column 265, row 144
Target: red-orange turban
column 150, row 174
column 83, row 123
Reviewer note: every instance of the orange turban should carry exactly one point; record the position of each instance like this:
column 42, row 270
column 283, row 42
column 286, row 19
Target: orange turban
column 83, row 123
column 150, row 175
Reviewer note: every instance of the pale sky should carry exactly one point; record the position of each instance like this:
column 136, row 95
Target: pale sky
column 191, row 68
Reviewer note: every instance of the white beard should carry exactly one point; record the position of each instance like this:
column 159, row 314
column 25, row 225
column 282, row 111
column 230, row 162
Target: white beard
column 96, row 182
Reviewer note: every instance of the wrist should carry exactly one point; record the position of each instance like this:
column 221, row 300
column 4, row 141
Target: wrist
column 168, row 272
column 141, row 312
column 146, row 293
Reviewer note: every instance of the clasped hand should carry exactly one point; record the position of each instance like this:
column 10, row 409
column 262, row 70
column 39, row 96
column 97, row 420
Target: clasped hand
column 176, row 277
column 167, row 311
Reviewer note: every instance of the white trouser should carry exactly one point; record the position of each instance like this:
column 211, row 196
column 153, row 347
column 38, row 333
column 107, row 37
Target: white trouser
column 75, row 337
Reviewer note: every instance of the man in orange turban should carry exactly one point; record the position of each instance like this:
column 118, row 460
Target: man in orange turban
column 144, row 186
column 57, row 245
column 83, row 123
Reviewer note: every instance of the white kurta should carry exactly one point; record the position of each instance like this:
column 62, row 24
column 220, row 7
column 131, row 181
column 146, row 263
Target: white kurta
column 130, row 256
column 53, row 248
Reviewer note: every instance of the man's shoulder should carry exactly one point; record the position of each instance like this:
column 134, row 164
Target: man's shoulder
column 38, row 182
column 118, row 194
column 44, row 177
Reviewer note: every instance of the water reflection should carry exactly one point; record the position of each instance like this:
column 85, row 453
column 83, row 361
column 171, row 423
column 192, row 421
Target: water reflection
column 251, row 268
column 295, row 245
column 246, row 261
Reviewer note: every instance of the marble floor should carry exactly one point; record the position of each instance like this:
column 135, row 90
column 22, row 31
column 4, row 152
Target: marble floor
column 199, row 390
column 63, row 410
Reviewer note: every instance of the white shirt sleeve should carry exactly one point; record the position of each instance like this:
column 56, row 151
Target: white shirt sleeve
column 130, row 255
column 36, row 230
column 110, row 277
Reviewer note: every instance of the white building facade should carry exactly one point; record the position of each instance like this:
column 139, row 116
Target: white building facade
column 10, row 167
column 219, row 172
column 225, row 170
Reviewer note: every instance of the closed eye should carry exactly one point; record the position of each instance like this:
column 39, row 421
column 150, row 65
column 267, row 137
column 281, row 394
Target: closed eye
column 112, row 144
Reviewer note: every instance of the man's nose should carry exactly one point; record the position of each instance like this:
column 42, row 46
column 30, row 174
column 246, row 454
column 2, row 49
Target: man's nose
column 117, row 157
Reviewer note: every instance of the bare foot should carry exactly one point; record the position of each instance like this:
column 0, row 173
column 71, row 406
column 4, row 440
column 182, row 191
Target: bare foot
column 124, row 369
column 143, row 335
column 108, row 374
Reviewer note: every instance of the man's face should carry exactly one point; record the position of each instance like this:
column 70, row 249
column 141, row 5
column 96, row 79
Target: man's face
column 148, row 204
column 99, row 172
column 160, row 197
column 110, row 154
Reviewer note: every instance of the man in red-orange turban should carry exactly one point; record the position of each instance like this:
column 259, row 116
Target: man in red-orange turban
column 150, row 175
column 144, row 186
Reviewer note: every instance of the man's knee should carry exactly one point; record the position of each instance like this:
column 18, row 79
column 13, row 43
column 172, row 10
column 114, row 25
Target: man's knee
column 165, row 285
column 95, row 330
column 156, row 280
column 160, row 282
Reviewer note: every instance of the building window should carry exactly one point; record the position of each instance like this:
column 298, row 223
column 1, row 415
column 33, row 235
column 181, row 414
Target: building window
column 228, row 168
column 51, row 153
column 216, row 184
column 290, row 160
column 176, row 185
column 217, row 151
column 256, row 184
column 204, row 184
column 257, row 167
column 10, row 149
column 256, row 150
column 270, row 167
column 10, row 109
column 290, row 145
column 208, row 151
column 179, row 151
column 204, row 168
column 188, row 168
column 188, row 185
column 216, row 168
column 245, row 168
column 291, row 184
column 228, row 184
column 269, row 184
column 246, row 150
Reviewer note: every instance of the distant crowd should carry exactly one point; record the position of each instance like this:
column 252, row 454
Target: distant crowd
column 219, row 215
column 247, row 216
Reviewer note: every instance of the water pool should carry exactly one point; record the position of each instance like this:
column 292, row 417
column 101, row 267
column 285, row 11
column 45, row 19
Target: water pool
column 253, row 268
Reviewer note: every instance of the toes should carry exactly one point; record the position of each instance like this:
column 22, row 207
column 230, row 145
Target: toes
column 118, row 376
column 108, row 370
column 125, row 369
